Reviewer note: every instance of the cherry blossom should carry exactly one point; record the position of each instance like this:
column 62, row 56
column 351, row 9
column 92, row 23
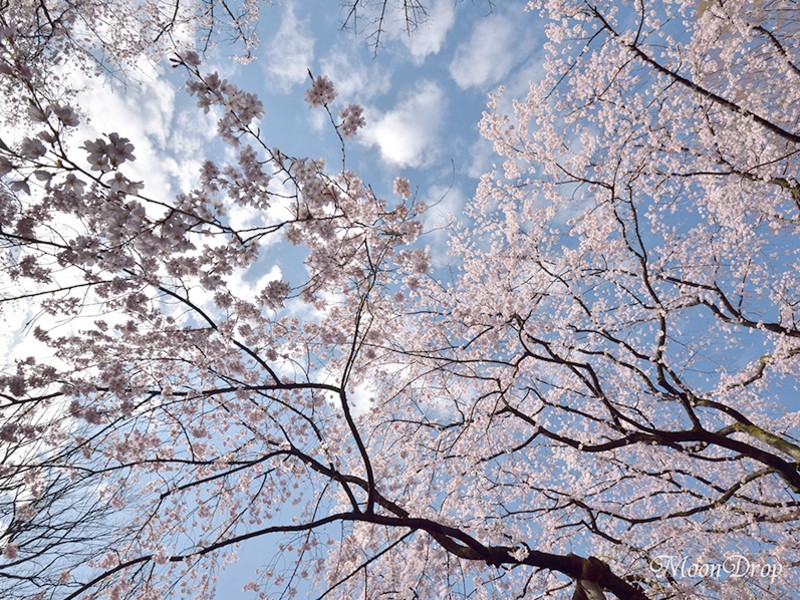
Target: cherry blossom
column 402, row 187
column 321, row 91
column 352, row 119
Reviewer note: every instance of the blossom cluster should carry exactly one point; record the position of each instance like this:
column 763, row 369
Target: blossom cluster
column 352, row 119
column 65, row 114
column 106, row 156
column 321, row 91
column 240, row 107
column 402, row 187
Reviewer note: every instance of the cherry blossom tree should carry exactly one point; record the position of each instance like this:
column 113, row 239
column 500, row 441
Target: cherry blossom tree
column 46, row 41
column 599, row 390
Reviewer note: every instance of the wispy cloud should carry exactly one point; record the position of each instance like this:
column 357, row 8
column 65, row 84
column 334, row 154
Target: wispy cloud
column 144, row 112
column 290, row 54
column 354, row 80
column 431, row 33
column 407, row 135
column 489, row 54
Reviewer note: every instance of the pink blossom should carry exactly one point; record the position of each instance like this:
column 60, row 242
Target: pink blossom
column 321, row 91
column 119, row 150
column 121, row 184
column 66, row 115
column 25, row 512
column 6, row 166
column 32, row 148
column 37, row 115
column 191, row 58
column 352, row 119
column 20, row 185
column 98, row 154
column 275, row 293
column 73, row 184
column 402, row 187
column 10, row 551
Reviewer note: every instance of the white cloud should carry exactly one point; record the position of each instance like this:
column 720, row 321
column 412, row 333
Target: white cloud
column 247, row 284
column 431, row 33
column 318, row 120
column 290, row 54
column 489, row 54
column 353, row 79
column 407, row 135
column 143, row 112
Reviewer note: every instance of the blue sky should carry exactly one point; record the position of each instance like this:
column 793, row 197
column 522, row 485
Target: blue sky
column 423, row 94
